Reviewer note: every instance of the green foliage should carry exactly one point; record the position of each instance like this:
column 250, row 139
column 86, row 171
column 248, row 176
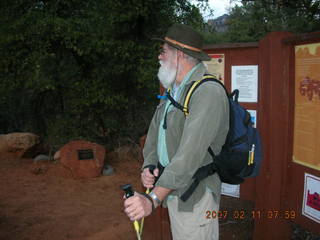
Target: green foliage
column 83, row 69
column 254, row 19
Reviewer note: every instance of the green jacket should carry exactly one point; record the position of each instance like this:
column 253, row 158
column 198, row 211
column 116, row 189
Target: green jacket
column 188, row 139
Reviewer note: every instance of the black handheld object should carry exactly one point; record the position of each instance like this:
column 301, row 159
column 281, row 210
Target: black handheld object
column 127, row 188
column 152, row 168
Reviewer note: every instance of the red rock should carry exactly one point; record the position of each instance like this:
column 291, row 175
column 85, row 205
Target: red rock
column 92, row 155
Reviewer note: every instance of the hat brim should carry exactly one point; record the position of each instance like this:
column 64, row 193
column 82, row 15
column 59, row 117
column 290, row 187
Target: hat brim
column 198, row 55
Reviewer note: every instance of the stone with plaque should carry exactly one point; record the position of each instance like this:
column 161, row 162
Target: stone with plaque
column 83, row 158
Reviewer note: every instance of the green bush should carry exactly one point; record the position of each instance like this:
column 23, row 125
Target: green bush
column 75, row 69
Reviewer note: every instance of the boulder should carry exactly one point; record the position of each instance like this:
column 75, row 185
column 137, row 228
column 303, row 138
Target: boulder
column 41, row 158
column 84, row 159
column 107, row 170
column 56, row 156
column 18, row 142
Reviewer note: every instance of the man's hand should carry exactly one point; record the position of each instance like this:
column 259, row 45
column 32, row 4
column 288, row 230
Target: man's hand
column 147, row 178
column 137, row 207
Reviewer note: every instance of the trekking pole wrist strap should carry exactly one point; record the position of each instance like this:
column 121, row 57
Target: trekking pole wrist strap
column 150, row 199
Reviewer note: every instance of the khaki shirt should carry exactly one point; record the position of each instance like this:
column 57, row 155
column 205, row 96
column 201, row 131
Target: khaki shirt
column 188, row 139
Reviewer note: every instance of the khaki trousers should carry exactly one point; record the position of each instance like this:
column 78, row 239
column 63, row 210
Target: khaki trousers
column 194, row 225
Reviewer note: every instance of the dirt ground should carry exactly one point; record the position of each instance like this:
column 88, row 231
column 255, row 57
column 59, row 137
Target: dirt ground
column 43, row 202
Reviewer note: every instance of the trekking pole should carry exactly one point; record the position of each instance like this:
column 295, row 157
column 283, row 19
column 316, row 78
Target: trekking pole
column 151, row 169
column 129, row 193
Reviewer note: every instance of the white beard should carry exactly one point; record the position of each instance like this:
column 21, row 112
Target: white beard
column 167, row 74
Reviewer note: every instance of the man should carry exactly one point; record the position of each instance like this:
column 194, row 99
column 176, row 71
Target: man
column 180, row 143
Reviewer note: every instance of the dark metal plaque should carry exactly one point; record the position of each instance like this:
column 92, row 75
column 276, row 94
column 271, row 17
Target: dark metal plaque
column 85, row 154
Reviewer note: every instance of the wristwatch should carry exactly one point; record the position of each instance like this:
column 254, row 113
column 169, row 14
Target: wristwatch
column 155, row 198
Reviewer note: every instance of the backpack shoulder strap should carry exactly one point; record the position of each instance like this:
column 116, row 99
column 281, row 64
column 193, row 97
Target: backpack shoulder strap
column 174, row 102
column 194, row 86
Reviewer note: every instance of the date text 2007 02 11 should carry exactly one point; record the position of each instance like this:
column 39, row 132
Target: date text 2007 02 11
column 255, row 214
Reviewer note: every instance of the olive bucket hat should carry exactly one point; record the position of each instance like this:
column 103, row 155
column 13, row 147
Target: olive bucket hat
column 185, row 39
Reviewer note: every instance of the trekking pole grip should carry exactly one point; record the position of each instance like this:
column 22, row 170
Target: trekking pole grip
column 152, row 168
column 127, row 188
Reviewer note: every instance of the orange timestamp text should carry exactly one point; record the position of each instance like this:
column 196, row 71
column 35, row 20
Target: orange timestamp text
column 254, row 214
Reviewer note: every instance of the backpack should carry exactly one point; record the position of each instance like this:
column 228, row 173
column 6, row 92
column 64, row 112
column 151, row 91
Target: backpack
column 241, row 155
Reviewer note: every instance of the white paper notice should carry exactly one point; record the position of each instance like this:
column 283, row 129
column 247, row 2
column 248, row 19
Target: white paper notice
column 311, row 197
column 245, row 78
column 230, row 190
